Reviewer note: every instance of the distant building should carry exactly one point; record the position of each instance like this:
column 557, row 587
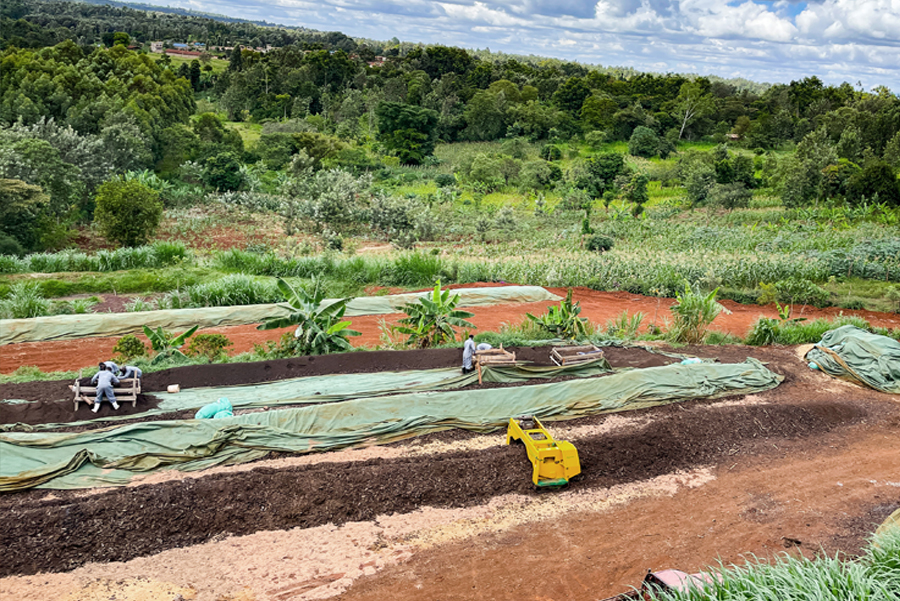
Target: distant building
column 156, row 47
column 378, row 62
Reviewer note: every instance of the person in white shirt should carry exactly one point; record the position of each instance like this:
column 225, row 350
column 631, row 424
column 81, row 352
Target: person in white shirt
column 468, row 354
column 483, row 346
column 105, row 380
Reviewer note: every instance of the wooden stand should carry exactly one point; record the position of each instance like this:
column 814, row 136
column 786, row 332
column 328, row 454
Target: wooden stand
column 127, row 390
column 571, row 355
column 496, row 357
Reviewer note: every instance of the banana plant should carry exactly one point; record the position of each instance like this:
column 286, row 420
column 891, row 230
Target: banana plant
column 563, row 320
column 431, row 321
column 320, row 329
column 165, row 345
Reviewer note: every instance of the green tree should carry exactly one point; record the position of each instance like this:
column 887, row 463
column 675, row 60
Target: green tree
column 320, row 328
column 598, row 174
column 23, row 212
column 643, row 143
column 236, row 60
column 485, row 115
column 408, row 131
column 194, row 75
column 120, row 38
column 877, row 180
column 692, row 103
column 431, row 321
column 223, row 171
column 636, row 192
column 128, row 212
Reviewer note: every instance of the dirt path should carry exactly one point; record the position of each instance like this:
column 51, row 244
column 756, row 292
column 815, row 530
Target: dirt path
column 453, row 516
column 599, row 307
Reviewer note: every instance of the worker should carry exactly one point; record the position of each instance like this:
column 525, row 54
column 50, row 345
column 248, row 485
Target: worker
column 111, row 367
column 130, row 371
column 468, row 354
column 483, row 346
column 105, row 380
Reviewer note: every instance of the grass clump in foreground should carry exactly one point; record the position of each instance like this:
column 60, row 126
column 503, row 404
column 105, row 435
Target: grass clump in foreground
column 873, row 577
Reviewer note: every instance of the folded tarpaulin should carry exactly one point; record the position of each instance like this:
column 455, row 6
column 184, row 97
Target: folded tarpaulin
column 111, row 456
column 853, row 354
column 68, row 327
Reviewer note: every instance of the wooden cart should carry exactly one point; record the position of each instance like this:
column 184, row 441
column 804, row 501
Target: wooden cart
column 571, row 355
column 494, row 357
column 128, row 389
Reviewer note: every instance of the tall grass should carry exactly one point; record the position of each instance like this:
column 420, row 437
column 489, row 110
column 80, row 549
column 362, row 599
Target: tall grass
column 24, row 301
column 874, row 577
column 693, row 314
column 156, row 255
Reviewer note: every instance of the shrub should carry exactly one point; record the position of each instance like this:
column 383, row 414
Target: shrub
column 9, row 246
column 693, row 314
column 223, row 172
column 550, row 152
column 127, row 213
column 432, row 321
column 211, row 346
column 804, row 292
column 563, row 321
column 599, row 243
column 128, row 347
column 445, row 180
column 643, row 142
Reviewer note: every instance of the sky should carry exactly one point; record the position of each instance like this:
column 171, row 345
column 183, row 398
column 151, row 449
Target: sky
column 764, row 41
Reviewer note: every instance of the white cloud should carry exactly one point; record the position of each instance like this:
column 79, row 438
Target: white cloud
column 766, row 41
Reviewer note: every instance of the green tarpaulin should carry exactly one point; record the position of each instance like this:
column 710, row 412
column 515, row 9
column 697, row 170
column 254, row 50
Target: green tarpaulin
column 68, row 327
column 338, row 387
column 859, row 356
column 111, row 456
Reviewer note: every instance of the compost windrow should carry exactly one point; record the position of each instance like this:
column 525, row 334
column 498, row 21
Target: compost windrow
column 45, row 406
column 65, row 530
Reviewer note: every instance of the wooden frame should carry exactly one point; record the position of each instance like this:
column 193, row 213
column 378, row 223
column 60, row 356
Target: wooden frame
column 496, row 357
column 127, row 390
column 571, row 355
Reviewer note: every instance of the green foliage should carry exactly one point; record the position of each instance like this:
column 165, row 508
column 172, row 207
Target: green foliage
column 159, row 254
column 319, row 329
column 211, row 346
column 128, row 212
column 408, row 131
column 432, row 321
column 550, row 152
column 693, row 313
column 24, row 216
column 643, row 142
column 801, row 291
column 24, row 301
column 563, row 320
column 599, row 243
column 730, row 196
column 624, row 327
column 766, row 331
column 223, row 172
column 166, row 345
column 878, row 181
column 129, row 347
column 873, row 577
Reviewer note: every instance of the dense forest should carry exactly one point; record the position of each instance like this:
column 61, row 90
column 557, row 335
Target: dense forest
column 83, row 102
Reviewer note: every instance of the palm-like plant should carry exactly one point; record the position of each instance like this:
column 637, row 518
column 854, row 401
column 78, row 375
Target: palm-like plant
column 320, row 329
column 563, row 321
column 694, row 313
column 165, row 344
column 431, row 321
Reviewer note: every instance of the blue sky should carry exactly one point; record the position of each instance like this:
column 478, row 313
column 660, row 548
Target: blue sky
column 772, row 41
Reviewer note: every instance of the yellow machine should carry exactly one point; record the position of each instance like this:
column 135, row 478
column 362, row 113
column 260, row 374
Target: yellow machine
column 555, row 462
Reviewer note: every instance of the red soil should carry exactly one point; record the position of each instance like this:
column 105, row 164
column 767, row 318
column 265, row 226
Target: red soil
column 599, row 307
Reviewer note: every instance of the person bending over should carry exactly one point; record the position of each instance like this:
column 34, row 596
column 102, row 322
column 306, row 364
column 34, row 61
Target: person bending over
column 130, row 371
column 105, row 380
